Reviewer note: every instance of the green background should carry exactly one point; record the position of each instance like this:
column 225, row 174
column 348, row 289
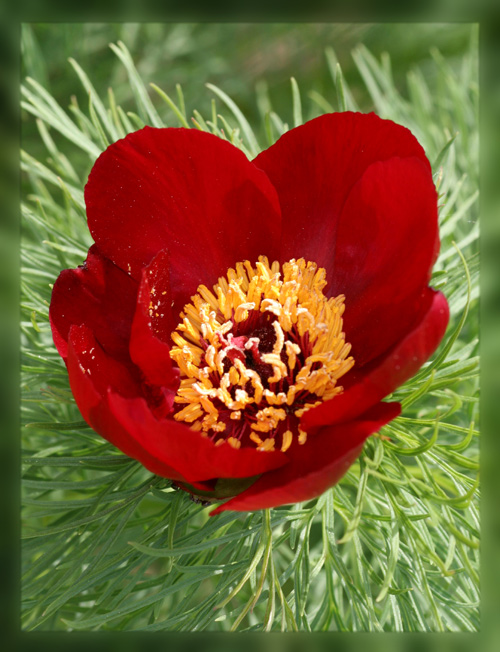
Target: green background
column 253, row 64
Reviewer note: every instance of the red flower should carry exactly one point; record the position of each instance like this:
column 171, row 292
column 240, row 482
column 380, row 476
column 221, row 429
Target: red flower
column 263, row 388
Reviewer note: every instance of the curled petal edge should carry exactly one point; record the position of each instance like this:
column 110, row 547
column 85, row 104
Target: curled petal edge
column 315, row 468
column 381, row 377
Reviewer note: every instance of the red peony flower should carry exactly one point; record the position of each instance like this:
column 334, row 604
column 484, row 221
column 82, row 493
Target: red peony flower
column 205, row 335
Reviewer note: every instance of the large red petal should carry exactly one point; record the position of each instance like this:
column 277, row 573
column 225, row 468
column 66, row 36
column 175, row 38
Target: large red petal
column 387, row 241
column 186, row 191
column 153, row 323
column 101, row 296
column 315, row 166
column 191, row 454
column 315, row 466
column 367, row 386
column 92, row 374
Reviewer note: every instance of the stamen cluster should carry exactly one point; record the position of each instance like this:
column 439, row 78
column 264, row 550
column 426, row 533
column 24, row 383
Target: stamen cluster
column 258, row 352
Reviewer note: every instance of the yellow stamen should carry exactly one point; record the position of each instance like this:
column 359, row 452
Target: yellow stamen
column 256, row 439
column 233, row 376
column 190, row 413
column 279, row 368
column 292, row 351
column 267, row 445
column 280, row 338
column 268, row 418
column 263, row 346
column 287, row 440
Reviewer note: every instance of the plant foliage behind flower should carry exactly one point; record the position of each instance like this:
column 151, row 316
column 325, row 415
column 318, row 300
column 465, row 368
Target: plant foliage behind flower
column 393, row 547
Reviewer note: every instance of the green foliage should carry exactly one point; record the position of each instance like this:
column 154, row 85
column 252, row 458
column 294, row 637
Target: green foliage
column 393, row 547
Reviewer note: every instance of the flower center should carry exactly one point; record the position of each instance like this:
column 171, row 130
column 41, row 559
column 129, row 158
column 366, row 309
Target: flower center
column 258, row 352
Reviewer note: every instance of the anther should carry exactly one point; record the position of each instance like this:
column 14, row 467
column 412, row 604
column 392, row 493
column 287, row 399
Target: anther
column 257, row 352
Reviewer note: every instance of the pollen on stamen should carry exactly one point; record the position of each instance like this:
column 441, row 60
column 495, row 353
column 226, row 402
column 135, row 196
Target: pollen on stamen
column 258, row 351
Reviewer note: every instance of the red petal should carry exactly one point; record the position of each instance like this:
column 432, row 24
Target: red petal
column 153, row 323
column 315, row 466
column 191, row 454
column 383, row 375
column 101, row 296
column 91, row 374
column 387, row 241
column 315, row 166
column 186, row 191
